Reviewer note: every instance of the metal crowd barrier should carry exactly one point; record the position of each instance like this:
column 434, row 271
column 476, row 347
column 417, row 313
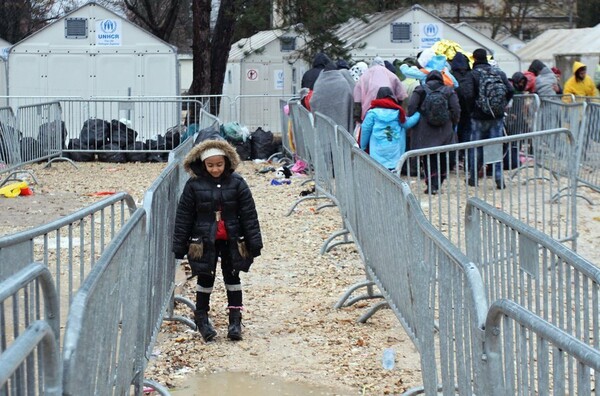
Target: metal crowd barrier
column 526, row 355
column 102, row 258
column 10, row 141
column 288, row 148
column 530, row 185
column 522, row 114
column 69, row 246
column 588, row 173
column 258, row 111
column 524, row 265
column 439, row 295
column 104, row 339
column 29, row 332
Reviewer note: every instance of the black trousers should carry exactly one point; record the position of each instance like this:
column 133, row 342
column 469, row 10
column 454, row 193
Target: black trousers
column 231, row 278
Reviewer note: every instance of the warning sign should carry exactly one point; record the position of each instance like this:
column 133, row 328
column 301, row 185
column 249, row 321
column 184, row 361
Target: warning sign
column 252, row 75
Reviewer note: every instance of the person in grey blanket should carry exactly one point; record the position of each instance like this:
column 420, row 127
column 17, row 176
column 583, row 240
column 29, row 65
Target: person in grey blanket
column 332, row 96
column 216, row 218
column 546, row 83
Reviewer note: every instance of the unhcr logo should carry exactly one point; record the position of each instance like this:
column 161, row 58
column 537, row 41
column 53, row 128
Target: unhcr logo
column 431, row 30
column 108, row 26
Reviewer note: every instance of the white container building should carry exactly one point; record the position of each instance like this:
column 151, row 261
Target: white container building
column 92, row 52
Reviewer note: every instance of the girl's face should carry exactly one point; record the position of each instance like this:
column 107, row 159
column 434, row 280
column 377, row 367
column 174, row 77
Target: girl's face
column 215, row 165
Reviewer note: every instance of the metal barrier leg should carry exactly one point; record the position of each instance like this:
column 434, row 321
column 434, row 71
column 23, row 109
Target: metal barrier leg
column 380, row 305
column 344, row 301
column 50, row 161
column 156, row 387
column 182, row 319
column 327, row 247
column 291, row 210
column 15, row 173
column 558, row 195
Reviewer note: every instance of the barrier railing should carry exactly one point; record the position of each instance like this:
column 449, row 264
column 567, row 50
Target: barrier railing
column 104, row 346
column 588, row 173
column 436, row 292
column 522, row 114
column 29, row 332
column 10, row 142
column 529, row 187
column 526, row 355
column 431, row 280
column 524, row 265
column 258, row 111
column 69, row 246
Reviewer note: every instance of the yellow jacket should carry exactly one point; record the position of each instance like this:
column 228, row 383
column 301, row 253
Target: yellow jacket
column 585, row 87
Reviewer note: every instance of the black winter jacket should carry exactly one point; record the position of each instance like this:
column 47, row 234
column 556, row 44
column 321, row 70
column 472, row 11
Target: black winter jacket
column 202, row 196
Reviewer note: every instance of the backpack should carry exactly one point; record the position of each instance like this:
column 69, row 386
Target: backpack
column 491, row 96
column 435, row 106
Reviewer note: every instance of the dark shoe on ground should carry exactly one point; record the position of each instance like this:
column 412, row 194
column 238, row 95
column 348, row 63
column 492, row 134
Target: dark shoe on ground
column 234, row 331
column 433, row 191
column 500, row 185
column 472, row 182
column 203, row 325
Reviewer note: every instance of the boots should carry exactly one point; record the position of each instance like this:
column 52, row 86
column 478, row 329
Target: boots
column 234, row 331
column 204, row 326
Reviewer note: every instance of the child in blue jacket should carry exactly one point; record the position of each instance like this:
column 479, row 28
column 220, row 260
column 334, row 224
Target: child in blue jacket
column 383, row 131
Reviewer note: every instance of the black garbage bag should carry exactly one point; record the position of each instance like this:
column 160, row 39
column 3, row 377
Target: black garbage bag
column 141, row 156
column 122, row 135
column 262, row 144
column 52, row 135
column 112, row 153
column 173, row 137
column 31, row 149
column 154, row 146
column 209, row 133
column 78, row 156
column 94, row 134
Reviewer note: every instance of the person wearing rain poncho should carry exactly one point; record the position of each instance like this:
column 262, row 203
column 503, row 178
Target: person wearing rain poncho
column 375, row 77
column 429, row 61
column 580, row 84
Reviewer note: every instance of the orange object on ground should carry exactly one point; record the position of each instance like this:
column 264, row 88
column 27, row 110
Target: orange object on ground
column 101, row 193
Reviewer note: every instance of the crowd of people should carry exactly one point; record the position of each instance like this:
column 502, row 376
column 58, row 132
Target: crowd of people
column 429, row 101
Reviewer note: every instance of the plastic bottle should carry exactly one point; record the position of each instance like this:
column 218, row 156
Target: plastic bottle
column 389, row 358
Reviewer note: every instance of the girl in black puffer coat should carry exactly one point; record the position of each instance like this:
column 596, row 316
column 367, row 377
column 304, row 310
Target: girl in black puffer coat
column 216, row 217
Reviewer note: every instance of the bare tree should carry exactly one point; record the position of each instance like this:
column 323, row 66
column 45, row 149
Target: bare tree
column 20, row 18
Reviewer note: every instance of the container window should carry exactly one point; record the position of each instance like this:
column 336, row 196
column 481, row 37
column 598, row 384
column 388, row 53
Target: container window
column 76, row 28
column 400, row 32
column 287, row 43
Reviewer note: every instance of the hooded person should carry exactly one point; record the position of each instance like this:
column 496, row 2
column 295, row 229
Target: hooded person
column 461, row 70
column 428, row 60
column 519, row 83
column 332, row 96
column 375, row 77
column 357, row 70
column 216, row 218
column 580, row 83
column 485, row 122
column 320, row 61
column 425, row 135
column 384, row 129
column 546, row 83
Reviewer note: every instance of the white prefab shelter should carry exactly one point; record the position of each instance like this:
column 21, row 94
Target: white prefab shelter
column 92, row 52
column 406, row 32
column 561, row 47
column 4, row 47
column 261, row 72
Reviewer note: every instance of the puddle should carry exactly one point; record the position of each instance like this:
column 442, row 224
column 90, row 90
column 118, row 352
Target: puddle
column 234, row 383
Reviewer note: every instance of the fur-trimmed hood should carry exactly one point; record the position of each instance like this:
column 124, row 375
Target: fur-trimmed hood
column 192, row 162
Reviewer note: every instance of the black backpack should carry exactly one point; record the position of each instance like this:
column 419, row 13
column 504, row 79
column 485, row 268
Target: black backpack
column 435, row 106
column 491, row 95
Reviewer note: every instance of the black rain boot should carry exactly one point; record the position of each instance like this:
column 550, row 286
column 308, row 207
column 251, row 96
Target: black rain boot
column 203, row 325
column 234, row 331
